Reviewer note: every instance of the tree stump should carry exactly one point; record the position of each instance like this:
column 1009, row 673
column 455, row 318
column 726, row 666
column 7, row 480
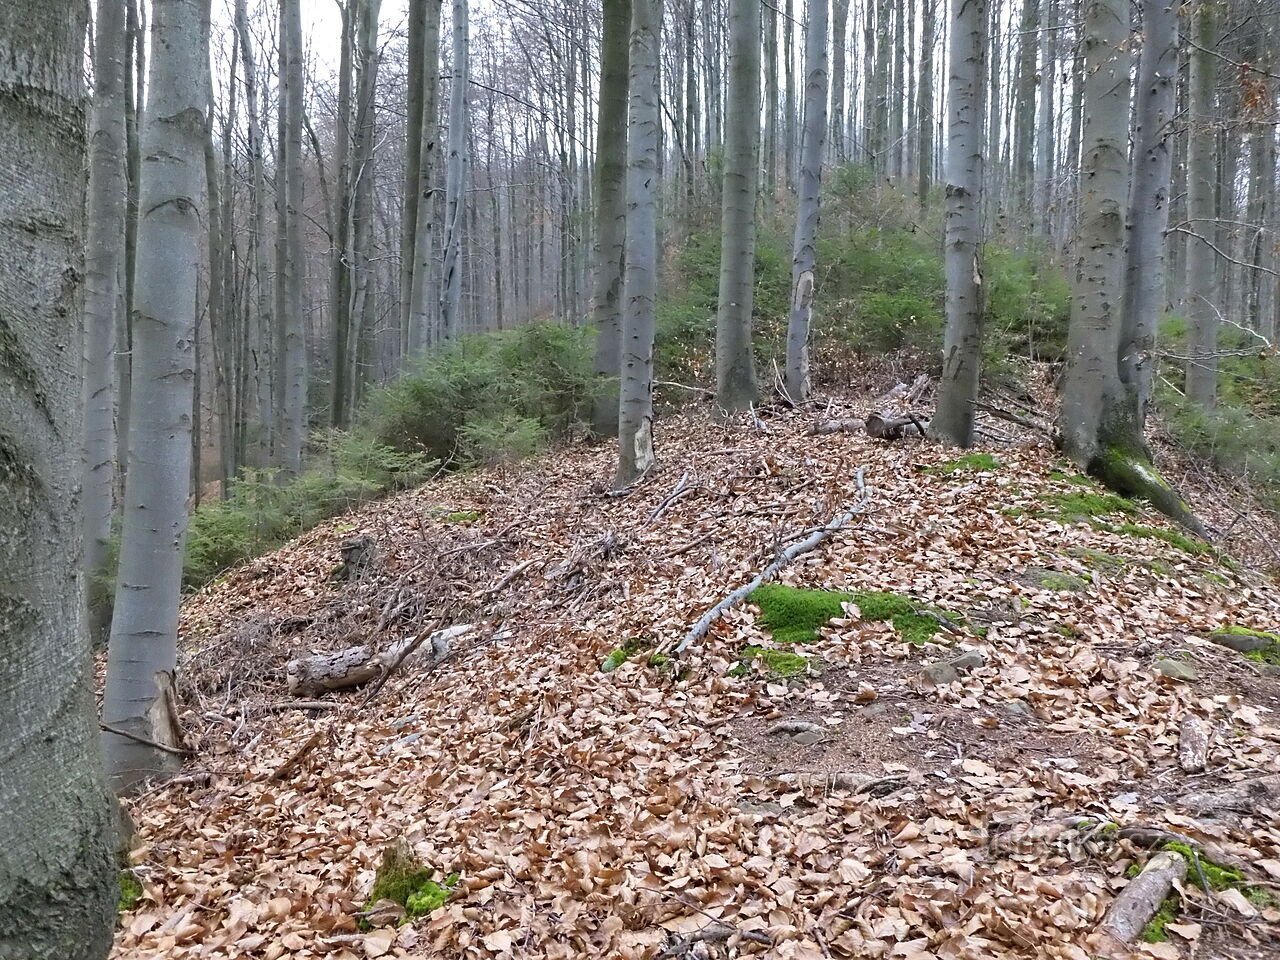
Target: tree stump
column 358, row 555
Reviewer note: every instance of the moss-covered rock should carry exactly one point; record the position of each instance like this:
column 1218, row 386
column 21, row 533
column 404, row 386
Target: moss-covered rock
column 402, row 878
column 1055, row 580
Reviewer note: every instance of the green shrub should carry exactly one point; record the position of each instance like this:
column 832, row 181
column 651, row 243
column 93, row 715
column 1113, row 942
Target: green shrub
column 490, row 441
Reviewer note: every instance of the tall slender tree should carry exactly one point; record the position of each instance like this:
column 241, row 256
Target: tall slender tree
column 804, row 253
column 635, row 405
column 421, row 304
column 735, row 363
column 58, row 885
column 143, row 649
column 962, row 344
column 104, row 299
column 1144, row 288
column 611, row 210
column 1202, row 289
column 291, row 397
column 455, row 179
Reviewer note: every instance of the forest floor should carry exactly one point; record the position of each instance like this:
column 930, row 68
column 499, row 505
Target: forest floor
column 629, row 813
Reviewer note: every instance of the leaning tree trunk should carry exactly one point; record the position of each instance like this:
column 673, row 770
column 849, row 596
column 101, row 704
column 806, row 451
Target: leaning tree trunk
column 1202, row 369
column 962, row 346
column 635, row 405
column 735, row 363
column 104, row 246
column 144, row 629
column 420, row 305
column 611, row 211
column 293, row 358
column 57, row 880
column 804, row 255
column 455, row 180
column 1144, row 294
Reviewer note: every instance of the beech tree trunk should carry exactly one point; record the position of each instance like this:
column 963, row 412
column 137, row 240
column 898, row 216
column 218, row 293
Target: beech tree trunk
column 1202, row 289
column 735, row 362
column 839, row 62
column 144, row 629
column 292, row 397
column 635, row 404
column 808, row 209
column 421, row 304
column 104, row 249
column 962, row 344
column 1144, row 297
column 58, row 886
column 455, row 180
column 924, row 134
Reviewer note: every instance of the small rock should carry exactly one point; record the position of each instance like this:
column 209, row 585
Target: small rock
column 762, row 808
column 948, row 671
column 1177, row 669
column 807, row 738
column 797, row 729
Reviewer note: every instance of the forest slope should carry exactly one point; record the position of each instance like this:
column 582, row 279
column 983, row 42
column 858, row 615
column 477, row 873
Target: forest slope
column 606, row 814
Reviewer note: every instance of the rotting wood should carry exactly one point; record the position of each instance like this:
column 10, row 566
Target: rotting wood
column 883, row 427
column 1244, row 797
column 358, row 554
column 310, row 676
column 1144, row 835
column 1137, row 903
column 814, row 539
column 715, row 932
column 1193, row 744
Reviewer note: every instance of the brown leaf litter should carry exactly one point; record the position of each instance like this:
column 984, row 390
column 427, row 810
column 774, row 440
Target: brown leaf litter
column 648, row 812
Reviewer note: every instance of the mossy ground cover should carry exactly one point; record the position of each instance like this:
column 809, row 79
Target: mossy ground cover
column 979, row 462
column 794, row 615
column 403, row 879
column 779, row 663
column 1201, row 873
column 130, row 891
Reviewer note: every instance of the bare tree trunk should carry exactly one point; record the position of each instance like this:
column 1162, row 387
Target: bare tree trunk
column 1202, row 371
column 455, row 181
column 58, row 886
column 359, row 262
column 136, row 60
column 611, row 210
column 635, row 407
column 839, row 62
column 1144, row 298
column 1025, row 117
column 962, row 346
column 422, row 304
column 804, row 255
column 291, row 395
column 790, row 100
column 104, row 246
column 735, row 363
column 144, row 629
column 1046, row 130
column 924, row 133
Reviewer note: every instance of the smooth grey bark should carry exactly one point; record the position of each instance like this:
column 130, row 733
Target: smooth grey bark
column 1025, row 110
column 259, row 332
column 1046, row 124
column 926, row 118
column 414, row 121
column 135, row 24
column 58, row 886
column 735, row 363
column 421, row 304
column 1202, row 289
column 611, row 210
column 104, row 299
column 455, row 178
column 769, row 153
column 808, row 208
column 962, row 343
column 839, row 61
column 1093, row 410
column 635, row 392
column 143, row 647
column 791, row 100
column 340, row 239
column 1144, row 289
column 292, row 398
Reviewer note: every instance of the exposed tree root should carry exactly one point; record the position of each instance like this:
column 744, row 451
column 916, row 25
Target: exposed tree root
column 1132, row 475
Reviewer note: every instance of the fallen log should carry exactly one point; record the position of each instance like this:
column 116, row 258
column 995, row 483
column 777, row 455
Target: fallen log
column 815, row 538
column 1137, row 903
column 884, row 427
column 311, row 676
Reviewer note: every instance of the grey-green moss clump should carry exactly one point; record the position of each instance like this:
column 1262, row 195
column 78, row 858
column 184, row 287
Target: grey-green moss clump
column 403, row 879
column 130, row 891
column 794, row 615
column 1086, row 504
column 620, row 655
column 1054, row 580
column 1154, row 931
column 982, row 462
column 1105, row 562
column 1172, row 537
column 462, row 516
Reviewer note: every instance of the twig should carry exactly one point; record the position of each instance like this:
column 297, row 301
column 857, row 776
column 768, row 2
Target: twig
column 1001, row 414
column 680, row 490
column 138, row 738
column 811, row 542
column 285, row 769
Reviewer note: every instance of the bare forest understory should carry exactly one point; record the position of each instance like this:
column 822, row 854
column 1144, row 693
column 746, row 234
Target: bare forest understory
column 981, row 776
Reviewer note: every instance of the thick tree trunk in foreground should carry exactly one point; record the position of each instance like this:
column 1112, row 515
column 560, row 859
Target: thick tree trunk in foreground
column 1144, row 294
column 635, row 393
column 735, row 362
column 455, row 179
column 611, row 211
column 804, row 254
column 58, row 884
column 144, row 630
column 1202, row 292
column 104, row 249
column 421, row 307
column 962, row 346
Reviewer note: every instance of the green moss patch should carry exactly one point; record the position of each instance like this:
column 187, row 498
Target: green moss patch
column 779, row 663
column 404, row 879
column 794, row 615
column 620, row 655
column 982, row 462
column 130, row 891
column 1172, row 537
column 1054, row 580
column 1154, row 931
column 1085, row 504
column 1096, row 559
column 462, row 516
